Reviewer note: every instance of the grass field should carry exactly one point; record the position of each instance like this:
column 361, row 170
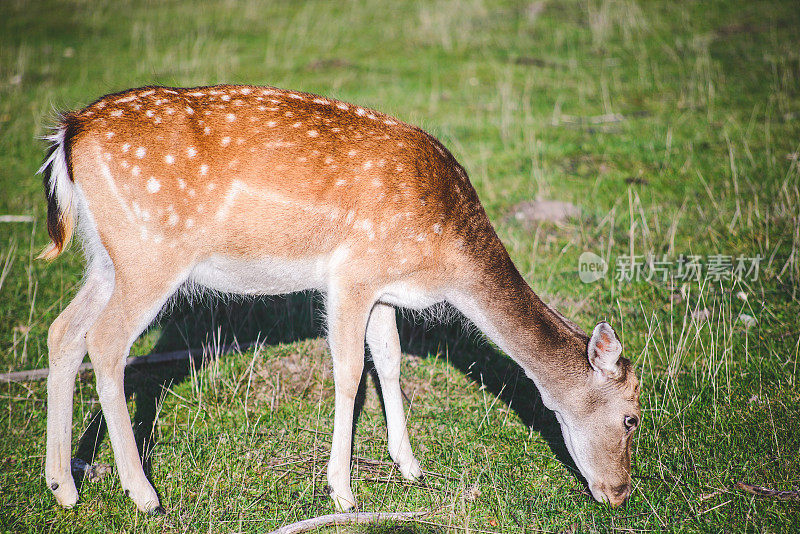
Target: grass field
column 674, row 127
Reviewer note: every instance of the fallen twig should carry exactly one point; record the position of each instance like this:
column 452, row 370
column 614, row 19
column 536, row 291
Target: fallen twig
column 156, row 357
column 16, row 218
column 781, row 495
column 356, row 518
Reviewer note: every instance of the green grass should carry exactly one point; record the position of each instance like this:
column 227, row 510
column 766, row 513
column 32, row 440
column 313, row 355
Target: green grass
column 703, row 161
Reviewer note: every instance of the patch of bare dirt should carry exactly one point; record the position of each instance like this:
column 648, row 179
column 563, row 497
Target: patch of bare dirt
column 536, row 211
column 306, row 373
column 329, row 64
column 302, row 373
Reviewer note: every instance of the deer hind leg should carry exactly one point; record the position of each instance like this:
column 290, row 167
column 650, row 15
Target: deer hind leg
column 348, row 309
column 384, row 345
column 66, row 343
column 136, row 300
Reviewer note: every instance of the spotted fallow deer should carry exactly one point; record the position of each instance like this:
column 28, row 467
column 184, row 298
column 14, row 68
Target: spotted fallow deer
column 263, row 191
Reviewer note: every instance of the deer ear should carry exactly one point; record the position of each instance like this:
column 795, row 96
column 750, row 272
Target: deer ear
column 605, row 350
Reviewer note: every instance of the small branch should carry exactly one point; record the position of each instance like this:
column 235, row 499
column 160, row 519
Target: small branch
column 16, row 218
column 156, row 357
column 357, row 518
column 785, row 495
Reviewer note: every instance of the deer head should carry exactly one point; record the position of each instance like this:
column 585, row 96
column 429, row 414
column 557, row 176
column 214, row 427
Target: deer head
column 598, row 420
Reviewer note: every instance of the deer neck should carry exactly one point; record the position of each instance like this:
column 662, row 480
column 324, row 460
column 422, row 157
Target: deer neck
column 551, row 350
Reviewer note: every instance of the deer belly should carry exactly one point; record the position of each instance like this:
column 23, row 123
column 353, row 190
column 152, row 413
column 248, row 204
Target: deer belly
column 264, row 276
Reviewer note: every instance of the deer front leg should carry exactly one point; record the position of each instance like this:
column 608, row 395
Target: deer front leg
column 66, row 343
column 348, row 310
column 384, row 345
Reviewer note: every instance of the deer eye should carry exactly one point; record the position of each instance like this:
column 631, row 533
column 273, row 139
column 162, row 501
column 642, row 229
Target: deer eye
column 631, row 422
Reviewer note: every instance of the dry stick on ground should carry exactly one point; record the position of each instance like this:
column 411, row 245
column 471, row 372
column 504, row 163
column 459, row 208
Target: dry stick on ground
column 157, row 357
column 357, row 518
column 16, row 218
column 783, row 495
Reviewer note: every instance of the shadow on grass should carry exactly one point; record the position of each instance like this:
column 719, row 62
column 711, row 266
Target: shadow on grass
column 290, row 318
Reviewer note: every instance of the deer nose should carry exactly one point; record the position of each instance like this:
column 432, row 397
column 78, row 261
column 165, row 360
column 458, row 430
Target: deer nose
column 619, row 494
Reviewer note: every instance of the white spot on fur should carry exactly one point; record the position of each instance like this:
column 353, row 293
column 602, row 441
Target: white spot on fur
column 140, row 152
column 149, row 112
column 170, row 159
column 173, row 219
column 367, row 227
column 109, row 135
column 153, row 185
column 116, row 113
column 191, row 151
column 437, row 228
column 341, row 182
column 203, row 169
column 270, row 124
column 341, row 105
column 351, row 153
column 189, row 222
column 313, row 133
column 361, row 112
column 211, row 186
column 181, row 183
column 189, row 110
column 367, row 165
column 225, row 141
column 207, row 130
column 230, row 117
column 126, row 147
column 226, row 98
column 136, row 171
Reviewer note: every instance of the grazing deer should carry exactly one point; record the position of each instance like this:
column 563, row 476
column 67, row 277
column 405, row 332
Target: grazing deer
column 262, row 191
